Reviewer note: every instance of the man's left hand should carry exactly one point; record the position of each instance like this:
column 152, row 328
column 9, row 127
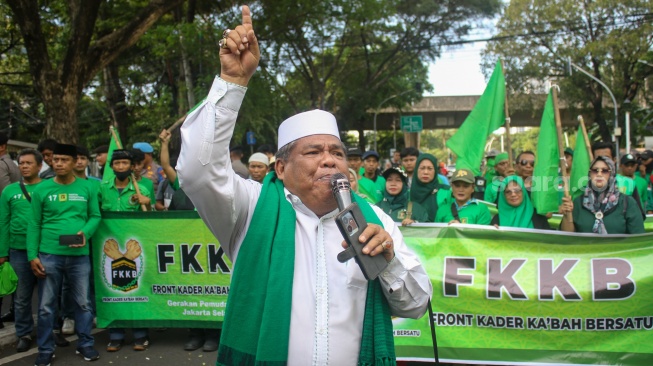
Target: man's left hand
column 376, row 241
column 79, row 245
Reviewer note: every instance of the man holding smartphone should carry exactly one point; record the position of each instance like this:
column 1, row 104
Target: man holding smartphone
column 65, row 213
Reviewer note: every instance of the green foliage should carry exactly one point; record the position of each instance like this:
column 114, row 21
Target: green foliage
column 604, row 37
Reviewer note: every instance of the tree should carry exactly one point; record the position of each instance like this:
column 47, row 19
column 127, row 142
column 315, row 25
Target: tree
column 347, row 56
column 604, row 37
column 65, row 52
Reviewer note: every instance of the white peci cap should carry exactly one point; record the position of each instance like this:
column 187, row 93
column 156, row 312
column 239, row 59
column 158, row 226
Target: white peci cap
column 315, row 122
column 259, row 158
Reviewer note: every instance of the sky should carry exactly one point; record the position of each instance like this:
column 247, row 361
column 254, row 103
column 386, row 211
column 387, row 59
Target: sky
column 458, row 71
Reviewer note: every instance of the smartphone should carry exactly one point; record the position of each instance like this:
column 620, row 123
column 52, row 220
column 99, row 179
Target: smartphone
column 352, row 224
column 71, row 239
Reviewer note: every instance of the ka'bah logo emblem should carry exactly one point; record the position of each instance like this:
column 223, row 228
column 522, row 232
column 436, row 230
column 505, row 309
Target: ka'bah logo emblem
column 63, row 197
column 125, row 268
column 461, row 173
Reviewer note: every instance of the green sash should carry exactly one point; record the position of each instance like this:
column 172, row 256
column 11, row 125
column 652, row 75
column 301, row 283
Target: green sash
column 257, row 319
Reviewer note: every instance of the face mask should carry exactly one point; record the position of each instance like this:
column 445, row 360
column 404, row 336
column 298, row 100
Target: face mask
column 123, row 175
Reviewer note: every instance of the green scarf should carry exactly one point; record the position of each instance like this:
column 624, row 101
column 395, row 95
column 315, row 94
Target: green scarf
column 398, row 202
column 257, row 320
column 520, row 216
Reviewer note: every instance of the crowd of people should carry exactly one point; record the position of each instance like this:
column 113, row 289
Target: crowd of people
column 50, row 206
column 275, row 216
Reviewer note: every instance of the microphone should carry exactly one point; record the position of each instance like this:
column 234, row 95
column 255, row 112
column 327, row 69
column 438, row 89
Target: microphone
column 341, row 190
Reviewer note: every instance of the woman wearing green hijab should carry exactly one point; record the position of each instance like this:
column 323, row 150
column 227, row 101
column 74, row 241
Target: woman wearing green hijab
column 426, row 189
column 395, row 199
column 516, row 208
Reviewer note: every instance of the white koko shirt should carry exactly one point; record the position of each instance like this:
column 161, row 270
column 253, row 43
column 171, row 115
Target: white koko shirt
column 328, row 297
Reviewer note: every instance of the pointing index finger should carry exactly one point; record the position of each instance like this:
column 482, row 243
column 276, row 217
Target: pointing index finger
column 247, row 17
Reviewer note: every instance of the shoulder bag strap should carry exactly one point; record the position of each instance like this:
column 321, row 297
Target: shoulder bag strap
column 454, row 211
column 24, row 189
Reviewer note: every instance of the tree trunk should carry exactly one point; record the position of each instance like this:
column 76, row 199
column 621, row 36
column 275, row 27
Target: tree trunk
column 61, row 112
column 115, row 98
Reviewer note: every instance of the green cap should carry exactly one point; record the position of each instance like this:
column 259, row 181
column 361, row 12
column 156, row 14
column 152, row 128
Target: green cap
column 569, row 151
column 463, row 175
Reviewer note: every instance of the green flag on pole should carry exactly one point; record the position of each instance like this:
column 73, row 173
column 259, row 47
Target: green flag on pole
column 468, row 143
column 544, row 192
column 580, row 166
column 108, row 174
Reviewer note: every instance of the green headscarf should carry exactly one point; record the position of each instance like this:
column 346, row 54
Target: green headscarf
column 501, row 157
column 520, row 216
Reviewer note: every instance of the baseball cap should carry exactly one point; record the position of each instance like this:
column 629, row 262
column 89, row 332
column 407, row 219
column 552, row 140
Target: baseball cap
column 371, row 153
column 628, row 158
column 354, row 151
column 144, row 147
column 391, row 170
column 647, row 154
column 463, row 175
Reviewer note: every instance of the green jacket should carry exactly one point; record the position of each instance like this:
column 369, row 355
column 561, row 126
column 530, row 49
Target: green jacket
column 112, row 200
column 471, row 213
column 372, row 189
column 15, row 211
column 59, row 209
column 418, row 212
column 621, row 220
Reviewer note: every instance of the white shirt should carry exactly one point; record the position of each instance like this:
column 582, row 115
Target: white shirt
column 328, row 297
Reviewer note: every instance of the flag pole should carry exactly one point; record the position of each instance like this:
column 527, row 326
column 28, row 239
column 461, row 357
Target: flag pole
column 507, row 125
column 561, row 150
column 581, row 122
column 177, row 123
column 119, row 145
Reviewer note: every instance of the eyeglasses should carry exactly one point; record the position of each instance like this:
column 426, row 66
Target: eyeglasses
column 515, row 191
column 600, row 171
column 527, row 162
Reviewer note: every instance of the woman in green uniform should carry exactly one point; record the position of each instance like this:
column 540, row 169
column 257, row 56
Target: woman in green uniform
column 426, row 189
column 463, row 208
column 516, row 208
column 602, row 209
column 395, row 200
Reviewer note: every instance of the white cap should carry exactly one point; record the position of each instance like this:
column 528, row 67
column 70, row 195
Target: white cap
column 315, row 122
column 259, row 158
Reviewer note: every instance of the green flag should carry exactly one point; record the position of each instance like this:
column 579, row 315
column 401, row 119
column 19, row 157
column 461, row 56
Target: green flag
column 544, row 191
column 108, row 174
column 580, row 166
column 468, row 143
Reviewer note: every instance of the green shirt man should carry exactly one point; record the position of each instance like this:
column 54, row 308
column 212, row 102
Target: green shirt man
column 15, row 212
column 119, row 194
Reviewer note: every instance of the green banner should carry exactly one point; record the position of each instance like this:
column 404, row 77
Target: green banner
column 159, row 270
column 499, row 295
column 524, row 296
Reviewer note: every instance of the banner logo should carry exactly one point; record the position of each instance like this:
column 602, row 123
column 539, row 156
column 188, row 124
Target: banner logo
column 125, row 268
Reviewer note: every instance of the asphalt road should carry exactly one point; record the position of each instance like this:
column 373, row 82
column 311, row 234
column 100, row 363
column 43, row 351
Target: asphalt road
column 166, row 349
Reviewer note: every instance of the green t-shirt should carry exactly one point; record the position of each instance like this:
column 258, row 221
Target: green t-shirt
column 15, row 211
column 471, row 213
column 112, row 200
column 59, row 209
column 616, row 221
column 146, row 184
column 373, row 190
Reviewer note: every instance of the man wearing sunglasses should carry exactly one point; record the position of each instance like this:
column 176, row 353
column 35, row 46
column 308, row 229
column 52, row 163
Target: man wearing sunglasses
column 628, row 182
column 525, row 163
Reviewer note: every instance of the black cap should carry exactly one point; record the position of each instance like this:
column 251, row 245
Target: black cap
column 236, row 148
column 647, row 154
column 102, row 149
column 121, row 154
column 395, row 170
column 64, row 149
column 82, row 150
column 354, row 151
column 371, row 153
column 628, row 158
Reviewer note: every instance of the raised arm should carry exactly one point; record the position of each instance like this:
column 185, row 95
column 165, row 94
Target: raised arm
column 224, row 201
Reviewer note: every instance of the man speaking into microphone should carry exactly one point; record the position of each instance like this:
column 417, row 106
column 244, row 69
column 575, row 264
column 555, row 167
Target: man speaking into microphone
column 291, row 301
